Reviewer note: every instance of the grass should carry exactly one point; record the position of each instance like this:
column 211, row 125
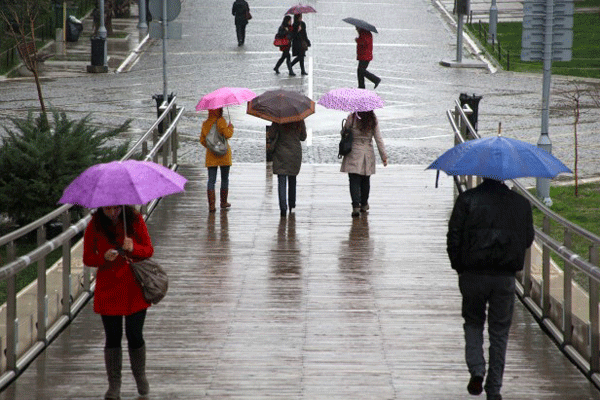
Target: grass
column 583, row 210
column 585, row 61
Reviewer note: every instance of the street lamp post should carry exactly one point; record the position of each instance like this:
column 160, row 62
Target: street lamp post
column 142, row 24
column 99, row 48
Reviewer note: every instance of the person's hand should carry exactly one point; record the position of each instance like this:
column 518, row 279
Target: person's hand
column 128, row 244
column 111, row 255
column 230, row 125
column 385, row 162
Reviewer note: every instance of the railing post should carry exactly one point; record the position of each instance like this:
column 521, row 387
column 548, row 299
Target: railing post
column 594, row 325
column 568, row 294
column 546, row 272
column 174, row 145
column 527, row 274
column 41, row 288
column 66, row 269
column 11, row 313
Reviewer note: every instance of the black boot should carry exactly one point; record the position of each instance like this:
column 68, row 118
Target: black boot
column 290, row 70
column 276, row 69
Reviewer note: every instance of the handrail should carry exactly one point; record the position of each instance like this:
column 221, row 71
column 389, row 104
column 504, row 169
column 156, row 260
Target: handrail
column 22, row 347
column 576, row 333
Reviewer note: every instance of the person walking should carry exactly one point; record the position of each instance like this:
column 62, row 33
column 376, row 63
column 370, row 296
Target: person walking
column 285, row 31
column 364, row 55
column 108, row 246
column 300, row 42
column 241, row 11
column 360, row 162
column 287, row 159
column 213, row 161
column 489, row 231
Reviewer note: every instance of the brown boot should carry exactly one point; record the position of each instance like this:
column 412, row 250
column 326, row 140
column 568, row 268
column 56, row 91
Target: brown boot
column 113, row 358
column 138, row 367
column 224, row 203
column 211, row 200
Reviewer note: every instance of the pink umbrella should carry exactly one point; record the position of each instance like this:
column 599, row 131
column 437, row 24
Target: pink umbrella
column 301, row 9
column 351, row 100
column 225, row 96
column 122, row 182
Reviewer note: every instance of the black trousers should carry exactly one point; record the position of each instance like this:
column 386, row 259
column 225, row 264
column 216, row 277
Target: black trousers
column 240, row 30
column 360, row 186
column 134, row 328
column 363, row 73
column 285, row 56
column 300, row 59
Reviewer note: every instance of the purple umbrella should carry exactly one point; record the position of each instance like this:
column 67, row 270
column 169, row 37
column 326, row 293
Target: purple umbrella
column 122, row 182
column 351, row 100
column 225, row 96
column 301, row 9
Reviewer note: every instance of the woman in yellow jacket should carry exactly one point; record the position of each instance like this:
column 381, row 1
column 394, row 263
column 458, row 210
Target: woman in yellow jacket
column 213, row 161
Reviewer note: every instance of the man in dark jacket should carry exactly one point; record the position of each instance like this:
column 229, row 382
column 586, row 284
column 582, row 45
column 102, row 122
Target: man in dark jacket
column 241, row 11
column 490, row 229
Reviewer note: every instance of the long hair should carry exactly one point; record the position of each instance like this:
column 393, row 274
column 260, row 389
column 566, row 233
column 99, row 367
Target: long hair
column 286, row 21
column 367, row 120
column 105, row 225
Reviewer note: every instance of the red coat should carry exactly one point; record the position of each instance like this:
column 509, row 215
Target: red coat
column 364, row 46
column 117, row 292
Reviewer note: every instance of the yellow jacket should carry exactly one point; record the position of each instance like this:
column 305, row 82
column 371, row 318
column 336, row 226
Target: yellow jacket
column 225, row 129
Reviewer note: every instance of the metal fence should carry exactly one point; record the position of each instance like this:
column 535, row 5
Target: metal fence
column 566, row 310
column 27, row 326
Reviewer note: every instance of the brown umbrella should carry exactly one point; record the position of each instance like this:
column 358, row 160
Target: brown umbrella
column 281, row 106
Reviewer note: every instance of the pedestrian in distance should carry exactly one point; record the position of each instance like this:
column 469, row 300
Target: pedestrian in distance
column 241, row 11
column 285, row 32
column 213, row 161
column 364, row 55
column 287, row 160
column 360, row 162
column 300, row 42
column 108, row 246
column 489, row 231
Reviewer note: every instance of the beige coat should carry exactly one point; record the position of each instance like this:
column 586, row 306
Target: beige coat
column 361, row 160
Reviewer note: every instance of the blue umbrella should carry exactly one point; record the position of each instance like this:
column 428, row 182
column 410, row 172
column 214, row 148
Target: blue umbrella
column 499, row 158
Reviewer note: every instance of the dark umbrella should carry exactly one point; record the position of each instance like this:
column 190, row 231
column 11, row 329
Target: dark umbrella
column 359, row 23
column 281, row 106
column 301, row 9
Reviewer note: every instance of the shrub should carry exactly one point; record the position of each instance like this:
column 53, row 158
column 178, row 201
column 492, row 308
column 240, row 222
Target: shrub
column 39, row 158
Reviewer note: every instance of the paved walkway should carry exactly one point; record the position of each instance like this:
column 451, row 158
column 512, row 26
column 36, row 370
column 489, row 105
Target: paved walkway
column 314, row 306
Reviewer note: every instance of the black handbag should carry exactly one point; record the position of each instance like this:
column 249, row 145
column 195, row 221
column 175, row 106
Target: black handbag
column 345, row 146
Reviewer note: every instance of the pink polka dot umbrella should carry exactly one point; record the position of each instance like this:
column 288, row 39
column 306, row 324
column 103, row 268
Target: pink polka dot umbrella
column 351, row 100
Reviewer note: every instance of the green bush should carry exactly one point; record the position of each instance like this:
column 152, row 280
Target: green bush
column 39, row 158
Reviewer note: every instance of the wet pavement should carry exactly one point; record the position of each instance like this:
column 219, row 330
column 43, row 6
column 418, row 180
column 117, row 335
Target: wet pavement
column 314, row 306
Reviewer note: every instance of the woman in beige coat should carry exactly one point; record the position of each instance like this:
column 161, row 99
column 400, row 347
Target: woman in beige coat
column 360, row 162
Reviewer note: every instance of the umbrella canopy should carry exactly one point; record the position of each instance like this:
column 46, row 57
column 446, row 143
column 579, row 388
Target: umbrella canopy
column 499, row 158
column 301, row 9
column 351, row 100
column 281, row 106
column 225, row 96
column 359, row 23
column 122, row 182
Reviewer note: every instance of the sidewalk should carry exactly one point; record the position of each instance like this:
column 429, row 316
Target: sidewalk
column 122, row 50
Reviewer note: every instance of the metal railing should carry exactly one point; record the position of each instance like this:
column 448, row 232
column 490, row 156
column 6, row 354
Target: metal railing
column 20, row 348
column 575, row 329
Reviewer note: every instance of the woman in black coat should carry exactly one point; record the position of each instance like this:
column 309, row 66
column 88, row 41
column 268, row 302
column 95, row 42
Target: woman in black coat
column 285, row 31
column 300, row 42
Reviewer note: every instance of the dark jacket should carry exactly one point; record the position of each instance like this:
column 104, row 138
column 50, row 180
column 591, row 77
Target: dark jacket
column 364, row 46
column 287, row 155
column 490, row 229
column 285, row 31
column 298, row 36
column 239, row 10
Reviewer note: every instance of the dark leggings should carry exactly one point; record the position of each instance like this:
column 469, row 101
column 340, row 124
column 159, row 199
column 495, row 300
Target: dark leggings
column 134, row 326
column 360, row 186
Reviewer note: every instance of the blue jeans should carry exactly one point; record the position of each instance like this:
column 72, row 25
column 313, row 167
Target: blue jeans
column 212, row 177
column 498, row 293
column 282, row 181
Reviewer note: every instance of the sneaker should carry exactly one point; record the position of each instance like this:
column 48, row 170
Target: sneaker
column 364, row 208
column 276, row 71
column 475, row 386
column 377, row 83
column 356, row 212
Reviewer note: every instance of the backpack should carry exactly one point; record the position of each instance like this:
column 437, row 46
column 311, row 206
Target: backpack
column 216, row 142
column 345, row 146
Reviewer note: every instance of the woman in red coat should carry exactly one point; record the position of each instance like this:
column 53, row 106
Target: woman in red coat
column 364, row 54
column 117, row 292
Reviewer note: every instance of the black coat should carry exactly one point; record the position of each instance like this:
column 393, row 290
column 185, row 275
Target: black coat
column 239, row 10
column 490, row 229
column 298, row 36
